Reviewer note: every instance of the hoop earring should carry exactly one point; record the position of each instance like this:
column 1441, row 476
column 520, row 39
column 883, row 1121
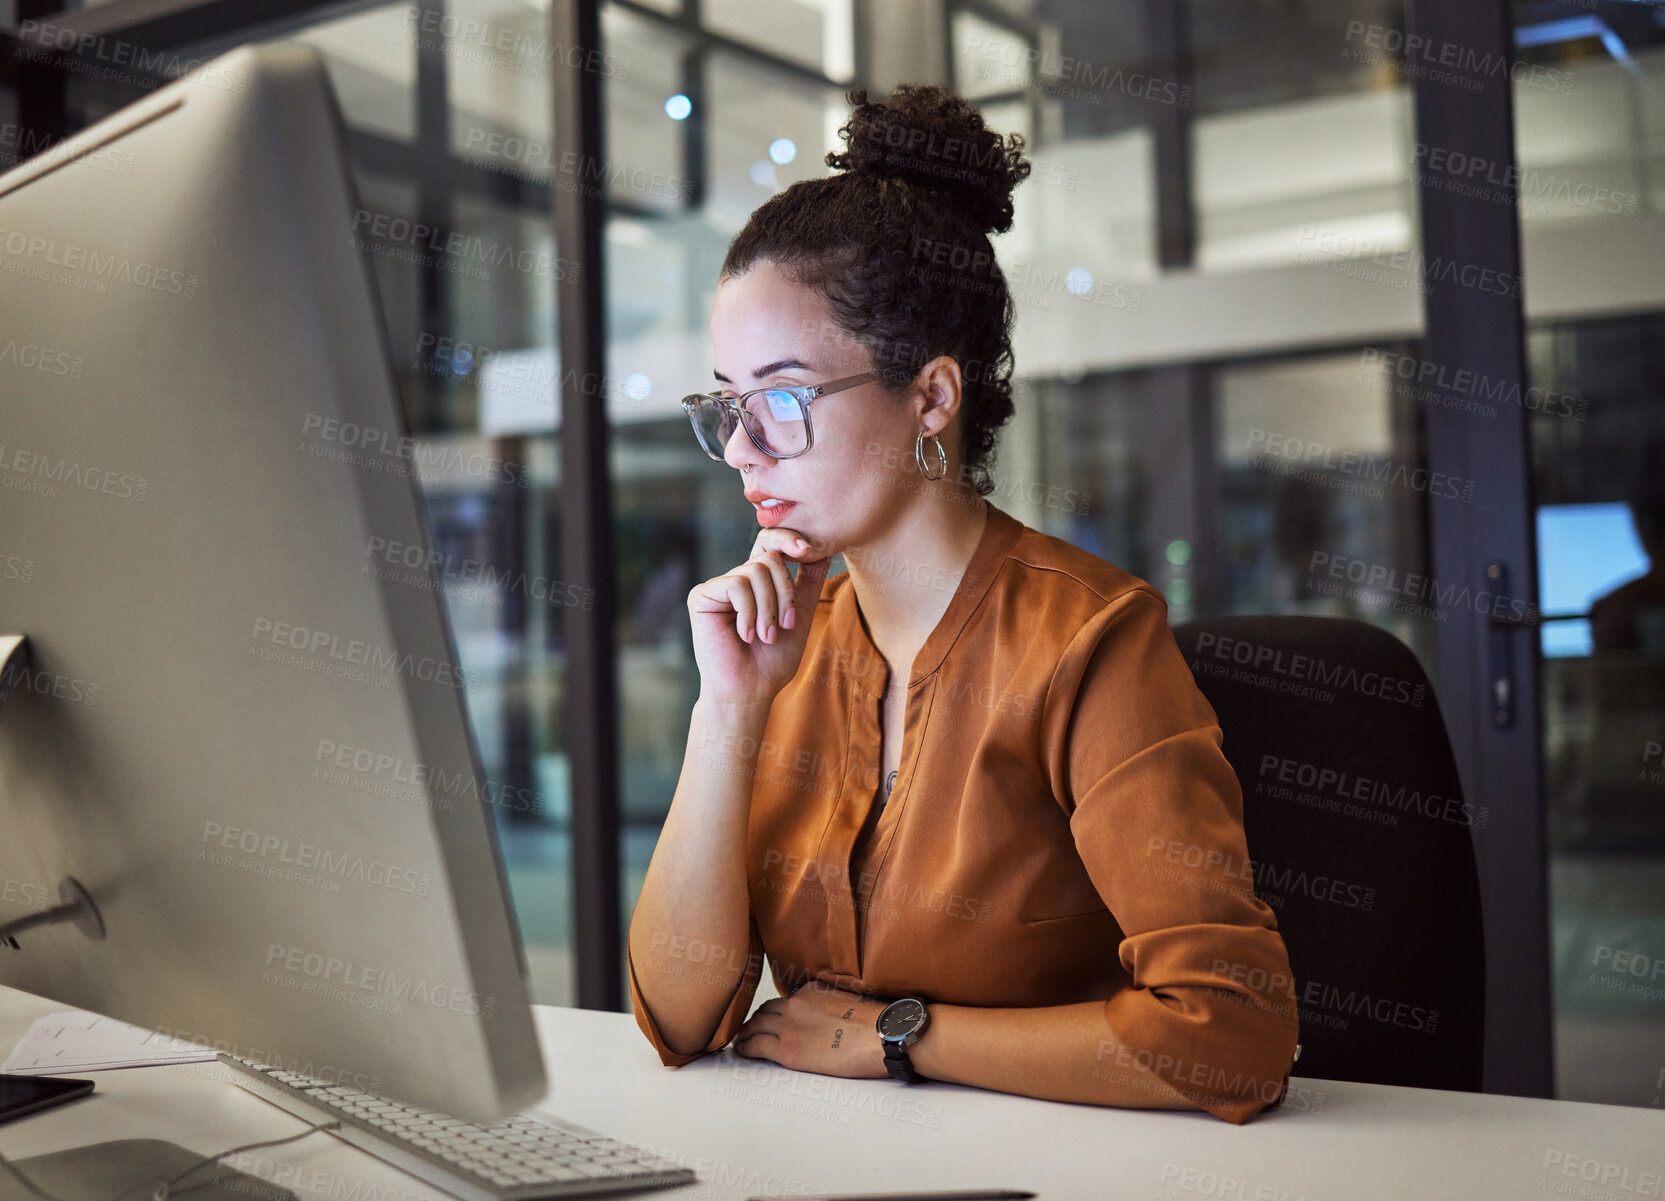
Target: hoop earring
column 919, row 456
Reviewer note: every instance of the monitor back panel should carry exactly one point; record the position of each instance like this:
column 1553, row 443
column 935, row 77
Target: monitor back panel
column 243, row 734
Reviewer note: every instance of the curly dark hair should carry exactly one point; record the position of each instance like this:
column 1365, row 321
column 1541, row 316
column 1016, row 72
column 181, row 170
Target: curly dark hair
column 898, row 246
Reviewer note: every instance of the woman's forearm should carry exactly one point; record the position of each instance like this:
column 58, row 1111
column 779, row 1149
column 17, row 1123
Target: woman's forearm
column 1058, row 1053
column 694, row 892
column 1055, row 1052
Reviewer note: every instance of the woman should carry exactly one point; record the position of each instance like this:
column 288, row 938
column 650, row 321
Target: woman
column 966, row 795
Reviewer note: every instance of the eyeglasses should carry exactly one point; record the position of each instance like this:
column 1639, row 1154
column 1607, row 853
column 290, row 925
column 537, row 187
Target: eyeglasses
column 776, row 419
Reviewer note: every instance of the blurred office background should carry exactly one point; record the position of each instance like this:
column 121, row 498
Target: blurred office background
column 1219, row 348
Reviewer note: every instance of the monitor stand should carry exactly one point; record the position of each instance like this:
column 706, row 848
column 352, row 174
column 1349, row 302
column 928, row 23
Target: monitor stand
column 130, row 1168
column 14, row 663
column 76, row 906
column 103, row 1171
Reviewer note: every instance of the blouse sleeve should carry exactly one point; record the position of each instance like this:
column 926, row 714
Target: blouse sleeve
column 733, row 1017
column 1156, row 812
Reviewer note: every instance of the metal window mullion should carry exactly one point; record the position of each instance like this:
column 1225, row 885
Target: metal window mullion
column 39, row 89
column 1176, row 233
column 587, row 517
column 1481, row 330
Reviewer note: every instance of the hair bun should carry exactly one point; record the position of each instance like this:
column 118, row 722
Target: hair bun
column 929, row 137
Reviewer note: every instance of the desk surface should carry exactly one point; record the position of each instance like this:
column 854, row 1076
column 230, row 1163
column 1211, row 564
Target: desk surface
column 749, row 1126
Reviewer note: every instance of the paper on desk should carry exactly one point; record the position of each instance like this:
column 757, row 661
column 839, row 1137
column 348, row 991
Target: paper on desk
column 76, row 1041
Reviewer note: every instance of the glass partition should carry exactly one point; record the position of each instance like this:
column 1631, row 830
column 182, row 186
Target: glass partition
column 1590, row 136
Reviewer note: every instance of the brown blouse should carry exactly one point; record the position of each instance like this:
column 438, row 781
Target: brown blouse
column 1064, row 827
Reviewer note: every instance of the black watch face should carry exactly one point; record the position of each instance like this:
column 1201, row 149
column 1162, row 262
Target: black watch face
column 900, row 1018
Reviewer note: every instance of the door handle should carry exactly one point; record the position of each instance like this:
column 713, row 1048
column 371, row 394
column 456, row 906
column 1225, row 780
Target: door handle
column 1500, row 649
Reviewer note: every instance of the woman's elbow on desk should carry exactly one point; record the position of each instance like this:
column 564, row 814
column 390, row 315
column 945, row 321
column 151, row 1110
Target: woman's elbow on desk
column 675, row 1059
column 727, row 1022
column 668, row 1056
column 1226, row 1051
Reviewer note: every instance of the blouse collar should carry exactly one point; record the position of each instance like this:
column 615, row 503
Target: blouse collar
column 864, row 662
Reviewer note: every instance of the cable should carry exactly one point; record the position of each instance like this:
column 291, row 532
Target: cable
column 164, row 1189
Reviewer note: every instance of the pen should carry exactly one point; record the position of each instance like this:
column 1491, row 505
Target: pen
column 999, row 1194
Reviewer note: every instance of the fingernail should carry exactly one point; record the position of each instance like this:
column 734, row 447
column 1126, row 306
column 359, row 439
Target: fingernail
column 769, row 632
column 802, row 545
column 790, row 617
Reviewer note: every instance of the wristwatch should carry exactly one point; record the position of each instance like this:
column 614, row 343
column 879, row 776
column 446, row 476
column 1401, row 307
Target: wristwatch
column 900, row 1025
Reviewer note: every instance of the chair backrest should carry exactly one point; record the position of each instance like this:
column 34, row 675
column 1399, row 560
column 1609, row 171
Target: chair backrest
column 1360, row 838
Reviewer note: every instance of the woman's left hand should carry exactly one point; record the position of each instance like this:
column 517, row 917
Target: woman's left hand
column 819, row 1028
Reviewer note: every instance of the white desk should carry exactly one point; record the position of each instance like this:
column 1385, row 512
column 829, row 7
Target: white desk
column 748, row 1126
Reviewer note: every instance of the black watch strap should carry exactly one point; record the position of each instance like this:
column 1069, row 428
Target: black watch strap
column 899, row 1065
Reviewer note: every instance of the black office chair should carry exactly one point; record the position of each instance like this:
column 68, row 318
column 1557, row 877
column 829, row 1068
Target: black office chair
column 1360, row 841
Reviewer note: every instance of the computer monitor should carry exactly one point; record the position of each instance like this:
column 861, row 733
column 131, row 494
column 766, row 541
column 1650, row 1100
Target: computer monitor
column 238, row 728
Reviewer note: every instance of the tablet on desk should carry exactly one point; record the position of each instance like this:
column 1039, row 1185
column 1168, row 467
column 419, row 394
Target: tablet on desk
column 20, row 1095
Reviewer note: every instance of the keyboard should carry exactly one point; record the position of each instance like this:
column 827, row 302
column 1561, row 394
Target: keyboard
column 521, row 1157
